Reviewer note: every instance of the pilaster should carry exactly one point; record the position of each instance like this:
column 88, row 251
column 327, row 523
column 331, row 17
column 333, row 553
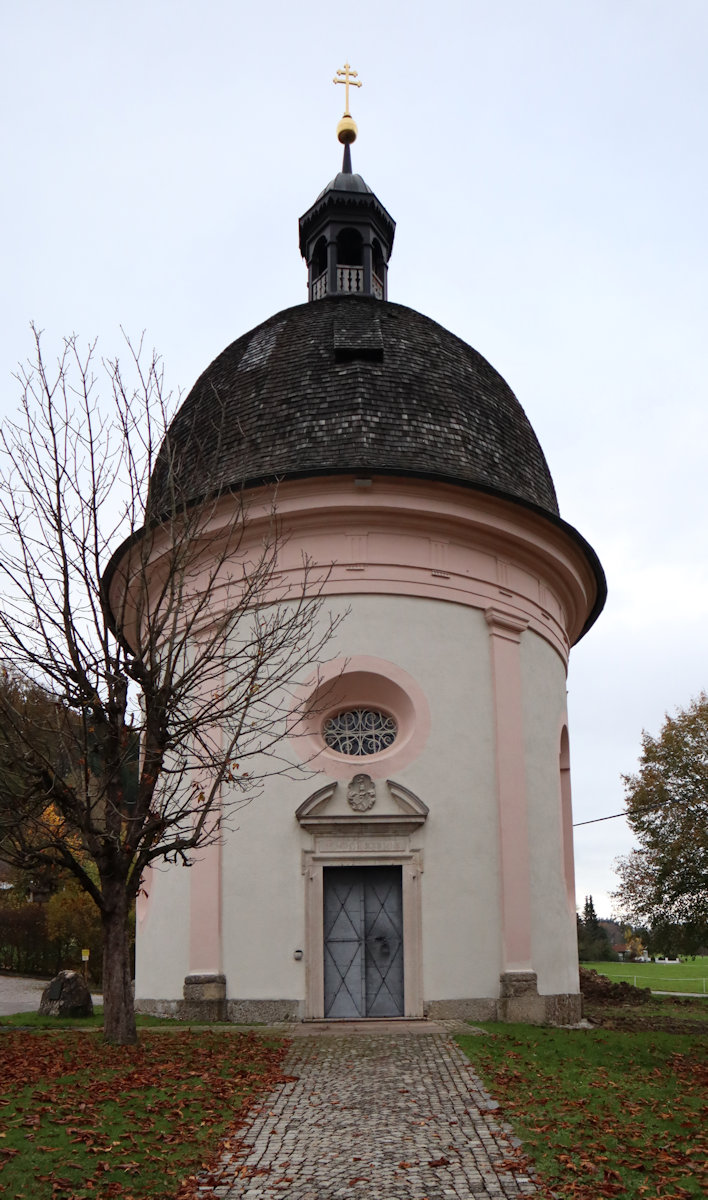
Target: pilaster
column 205, row 913
column 505, row 630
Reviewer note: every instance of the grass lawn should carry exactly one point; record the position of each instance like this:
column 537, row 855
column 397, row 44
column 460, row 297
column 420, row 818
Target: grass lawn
column 691, row 976
column 602, row 1112
column 32, row 1020
column 80, row 1120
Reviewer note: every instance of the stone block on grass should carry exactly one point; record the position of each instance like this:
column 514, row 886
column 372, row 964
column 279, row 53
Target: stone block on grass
column 68, row 995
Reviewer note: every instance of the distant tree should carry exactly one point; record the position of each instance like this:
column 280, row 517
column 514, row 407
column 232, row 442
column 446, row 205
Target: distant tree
column 614, row 930
column 664, row 882
column 590, row 919
column 33, row 877
column 74, row 923
column 593, row 942
column 670, row 940
column 635, row 945
column 130, row 733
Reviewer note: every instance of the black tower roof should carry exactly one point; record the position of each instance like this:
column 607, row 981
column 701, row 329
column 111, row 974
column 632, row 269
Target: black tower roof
column 346, row 198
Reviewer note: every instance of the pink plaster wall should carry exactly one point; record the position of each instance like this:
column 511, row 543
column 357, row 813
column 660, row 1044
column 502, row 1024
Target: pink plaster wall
column 566, row 807
column 205, row 912
column 410, row 537
column 505, row 633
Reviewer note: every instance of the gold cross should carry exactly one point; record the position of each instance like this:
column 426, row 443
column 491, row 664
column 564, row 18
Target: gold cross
column 349, row 77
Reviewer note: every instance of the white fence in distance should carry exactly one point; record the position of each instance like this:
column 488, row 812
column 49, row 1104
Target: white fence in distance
column 669, row 979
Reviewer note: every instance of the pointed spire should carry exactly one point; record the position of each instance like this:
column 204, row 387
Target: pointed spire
column 347, row 160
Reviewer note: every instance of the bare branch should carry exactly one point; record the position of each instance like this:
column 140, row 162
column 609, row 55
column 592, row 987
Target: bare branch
column 151, row 647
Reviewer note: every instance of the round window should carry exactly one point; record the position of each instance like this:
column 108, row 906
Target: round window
column 359, row 731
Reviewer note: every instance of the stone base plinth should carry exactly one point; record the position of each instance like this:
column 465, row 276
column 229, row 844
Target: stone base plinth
column 202, row 1003
column 204, row 998
column 263, row 1012
column 158, row 1008
column 519, row 999
column 462, row 1010
column 564, row 1008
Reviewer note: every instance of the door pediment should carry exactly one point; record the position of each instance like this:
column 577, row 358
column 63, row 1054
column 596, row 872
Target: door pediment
column 362, row 807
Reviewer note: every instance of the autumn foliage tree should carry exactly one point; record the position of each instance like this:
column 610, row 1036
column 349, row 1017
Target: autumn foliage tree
column 73, row 921
column 664, row 881
column 131, row 731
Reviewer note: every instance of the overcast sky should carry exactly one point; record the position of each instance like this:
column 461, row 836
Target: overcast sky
column 546, row 163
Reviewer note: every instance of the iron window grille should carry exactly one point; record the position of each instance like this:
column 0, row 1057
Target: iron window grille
column 359, row 731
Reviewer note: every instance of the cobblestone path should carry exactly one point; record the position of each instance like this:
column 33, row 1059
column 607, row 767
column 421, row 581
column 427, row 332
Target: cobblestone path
column 375, row 1117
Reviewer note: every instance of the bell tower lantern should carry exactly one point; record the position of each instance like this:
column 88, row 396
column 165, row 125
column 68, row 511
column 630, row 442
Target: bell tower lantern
column 346, row 237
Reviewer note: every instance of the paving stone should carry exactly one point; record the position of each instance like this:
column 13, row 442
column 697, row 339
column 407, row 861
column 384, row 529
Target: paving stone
column 380, row 1116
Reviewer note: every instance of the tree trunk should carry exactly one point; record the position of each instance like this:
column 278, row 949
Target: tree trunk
column 118, row 1004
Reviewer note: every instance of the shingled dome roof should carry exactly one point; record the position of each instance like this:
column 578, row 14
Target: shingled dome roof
column 353, row 385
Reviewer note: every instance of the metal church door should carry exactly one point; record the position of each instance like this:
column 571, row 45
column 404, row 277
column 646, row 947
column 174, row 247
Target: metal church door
column 363, row 942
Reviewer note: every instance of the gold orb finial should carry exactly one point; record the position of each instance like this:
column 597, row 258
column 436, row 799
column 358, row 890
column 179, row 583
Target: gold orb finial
column 346, row 129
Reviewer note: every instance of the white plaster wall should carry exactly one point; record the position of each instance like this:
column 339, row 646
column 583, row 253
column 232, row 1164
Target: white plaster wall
column 553, row 936
column 263, row 914
column 445, row 647
column 162, row 941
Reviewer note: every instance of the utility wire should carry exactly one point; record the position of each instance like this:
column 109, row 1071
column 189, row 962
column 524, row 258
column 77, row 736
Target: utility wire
column 596, row 819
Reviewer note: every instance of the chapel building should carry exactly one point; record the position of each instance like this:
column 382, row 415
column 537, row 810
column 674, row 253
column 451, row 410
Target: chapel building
column 423, row 866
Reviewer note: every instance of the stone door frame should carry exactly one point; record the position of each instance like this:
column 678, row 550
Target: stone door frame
column 355, row 852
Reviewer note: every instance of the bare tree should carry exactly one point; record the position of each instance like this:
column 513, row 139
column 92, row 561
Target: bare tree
column 158, row 631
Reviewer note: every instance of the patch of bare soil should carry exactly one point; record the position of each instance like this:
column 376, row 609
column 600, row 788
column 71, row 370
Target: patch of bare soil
column 622, row 1006
column 601, row 990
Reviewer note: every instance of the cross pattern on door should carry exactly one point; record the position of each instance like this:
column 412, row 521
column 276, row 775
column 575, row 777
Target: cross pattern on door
column 342, row 950
column 363, row 942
